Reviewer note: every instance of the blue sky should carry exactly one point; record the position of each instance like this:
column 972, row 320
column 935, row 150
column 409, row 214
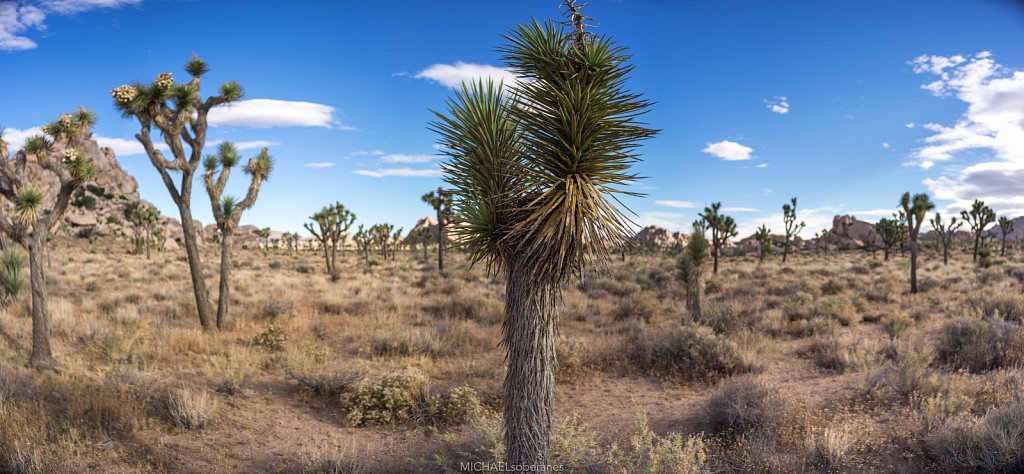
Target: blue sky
column 843, row 104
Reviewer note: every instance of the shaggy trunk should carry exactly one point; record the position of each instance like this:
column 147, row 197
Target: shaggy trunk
column 149, row 243
column 42, row 356
column 1002, row 251
column 945, row 253
column 760, row 255
column 440, row 243
column 977, row 243
column 913, row 263
column 714, row 249
column 224, row 298
column 785, row 251
column 327, row 257
column 886, row 253
column 529, row 339
column 195, row 264
column 695, row 293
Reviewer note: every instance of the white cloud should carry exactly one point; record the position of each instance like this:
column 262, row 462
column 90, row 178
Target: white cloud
column 401, row 172
column 367, row 153
column 728, row 150
column 400, row 158
column 886, row 145
column 762, row 165
column 18, row 18
column 739, row 209
column 15, row 138
column 263, row 113
column 779, row 105
column 453, row 75
column 672, row 221
column 910, row 125
column 319, row 165
column 767, row 191
column 877, row 213
column 676, row 204
column 992, row 127
column 253, row 145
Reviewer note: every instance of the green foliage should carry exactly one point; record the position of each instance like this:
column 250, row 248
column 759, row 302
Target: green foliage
column 405, row 397
column 11, row 280
column 686, row 352
column 993, row 442
column 271, row 339
column 792, row 227
column 980, row 345
column 27, row 204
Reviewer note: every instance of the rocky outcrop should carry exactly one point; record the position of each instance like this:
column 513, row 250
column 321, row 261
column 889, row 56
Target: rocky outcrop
column 415, row 236
column 658, row 237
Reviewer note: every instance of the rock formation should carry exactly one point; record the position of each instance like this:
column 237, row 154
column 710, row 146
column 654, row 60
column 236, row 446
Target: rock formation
column 658, row 237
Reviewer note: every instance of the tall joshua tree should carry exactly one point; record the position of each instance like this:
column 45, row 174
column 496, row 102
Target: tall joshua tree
column 916, row 209
column 179, row 113
column 143, row 218
column 691, row 271
column 441, row 201
column 792, row 227
column 764, row 242
column 227, row 210
column 36, row 214
column 331, row 223
column 722, row 228
column 945, row 232
column 535, row 176
column 1005, row 229
column 978, row 218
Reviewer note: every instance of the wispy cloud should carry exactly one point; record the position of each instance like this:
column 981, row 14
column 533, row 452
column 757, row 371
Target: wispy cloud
column 454, row 75
column 367, row 153
column 676, row 204
column 265, row 113
column 401, row 172
column 17, row 18
column 319, row 165
column 401, row 158
column 778, row 105
column 728, row 150
column 739, row 209
column 762, row 165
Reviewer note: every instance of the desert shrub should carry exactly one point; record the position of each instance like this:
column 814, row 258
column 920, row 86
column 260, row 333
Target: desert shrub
column 830, row 353
column 686, row 352
column 11, row 279
column 838, row 308
column 324, row 459
column 465, row 306
column 829, row 448
column 274, row 265
column 939, row 408
column 896, row 323
column 274, row 308
column 1009, row 306
column 879, row 292
column 190, row 409
column 307, row 269
column 990, row 443
column 635, row 306
column 832, row 287
column 402, row 342
column 908, row 374
column 271, row 339
column 570, row 355
column 722, row 317
column 979, row 345
column 405, row 397
column 744, row 405
column 318, row 375
column 798, row 306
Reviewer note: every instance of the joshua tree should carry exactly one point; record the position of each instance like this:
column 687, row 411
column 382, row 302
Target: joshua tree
column 691, row 271
column 945, row 233
column 535, row 176
column 764, row 241
column 916, row 209
column 396, row 240
column 179, row 114
column 264, row 242
column 11, row 280
column 420, row 236
column 978, row 218
column 441, row 201
column 891, row 233
column 331, row 224
column 363, row 239
column 722, row 228
column 1005, row 229
column 36, row 214
column 143, row 219
column 792, row 228
column 227, row 210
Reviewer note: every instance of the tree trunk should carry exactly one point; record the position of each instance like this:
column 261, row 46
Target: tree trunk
column 977, row 239
column 440, row 243
column 695, row 293
column 224, row 298
column 529, row 339
column 945, row 253
column 913, row 265
column 41, row 357
column 1002, row 251
column 886, row 254
column 785, row 251
column 327, row 256
column 149, row 242
column 760, row 255
column 714, row 249
column 195, row 265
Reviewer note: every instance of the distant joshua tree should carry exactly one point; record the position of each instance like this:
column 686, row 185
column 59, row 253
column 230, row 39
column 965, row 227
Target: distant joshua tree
column 227, row 210
column 179, row 114
column 441, row 201
column 945, row 232
column 978, row 218
column 916, row 209
column 331, row 224
column 143, row 219
column 691, row 271
column 535, row 173
column 722, row 228
column 1005, row 229
column 891, row 234
column 792, row 227
column 57, row 151
column 763, row 235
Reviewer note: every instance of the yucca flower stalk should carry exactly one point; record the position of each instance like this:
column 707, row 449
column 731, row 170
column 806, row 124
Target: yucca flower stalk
column 179, row 114
column 536, row 169
column 35, row 214
column 227, row 210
